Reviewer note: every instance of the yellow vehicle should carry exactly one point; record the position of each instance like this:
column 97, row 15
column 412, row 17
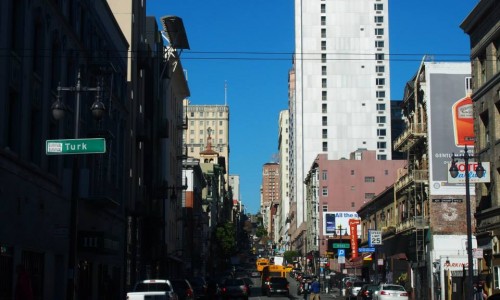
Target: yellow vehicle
column 271, row 271
column 261, row 263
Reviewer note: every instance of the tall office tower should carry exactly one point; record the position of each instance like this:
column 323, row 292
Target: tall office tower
column 205, row 120
column 342, row 95
column 282, row 233
column 270, row 194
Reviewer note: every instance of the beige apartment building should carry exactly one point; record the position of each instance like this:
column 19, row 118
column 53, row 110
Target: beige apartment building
column 203, row 121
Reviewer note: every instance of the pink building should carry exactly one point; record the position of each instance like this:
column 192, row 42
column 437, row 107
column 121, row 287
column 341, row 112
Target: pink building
column 343, row 186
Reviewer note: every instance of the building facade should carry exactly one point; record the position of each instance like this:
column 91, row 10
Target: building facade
column 283, row 222
column 204, row 121
column 270, row 195
column 53, row 212
column 483, row 27
column 342, row 95
column 343, row 187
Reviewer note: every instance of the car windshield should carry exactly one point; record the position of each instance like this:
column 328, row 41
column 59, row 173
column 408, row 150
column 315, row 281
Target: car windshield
column 393, row 288
column 278, row 279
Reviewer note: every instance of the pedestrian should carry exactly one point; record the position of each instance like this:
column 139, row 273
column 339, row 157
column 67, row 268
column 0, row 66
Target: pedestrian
column 307, row 287
column 315, row 289
column 23, row 290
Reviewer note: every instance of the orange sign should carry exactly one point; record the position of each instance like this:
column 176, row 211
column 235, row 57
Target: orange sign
column 353, row 224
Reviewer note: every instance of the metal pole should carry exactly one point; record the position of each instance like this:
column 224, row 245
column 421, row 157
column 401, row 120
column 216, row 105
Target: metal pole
column 375, row 254
column 75, row 191
column 75, row 187
column 469, row 227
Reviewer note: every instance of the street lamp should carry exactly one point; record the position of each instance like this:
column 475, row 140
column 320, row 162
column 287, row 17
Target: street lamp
column 340, row 229
column 58, row 112
column 480, row 173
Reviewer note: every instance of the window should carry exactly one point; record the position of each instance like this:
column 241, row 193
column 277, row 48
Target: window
column 192, row 114
column 378, row 6
column 496, row 280
column 381, row 145
column 323, row 20
column 191, row 132
column 323, row 45
column 380, row 106
column 380, row 94
column 323, row 57
column 380, row 119
column 325, row 146
column 369, row 196
column 386, row 172
column 381, row 132
column 382, row 157
column 201, row 131
column 323, row 8
column 323, row 108
column 369, row 179
column 380, row 69
column 325, row 207
column 379, row 19
column 379, row 31
column 352, row 204
column 379, row 56
column 323, row 82
column 323, row 95
column 324, row 191
column 380, row 81
column 220, row 131
column 323, row 32
column 324, row 120
column 220, row 123
column 324, row 175
column 201, row 114
column 379, row 44
column 352, row 172
column 324, row 133
column 323, row 70
column 201, row 122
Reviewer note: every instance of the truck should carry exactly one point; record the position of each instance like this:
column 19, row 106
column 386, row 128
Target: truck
column 157, row 289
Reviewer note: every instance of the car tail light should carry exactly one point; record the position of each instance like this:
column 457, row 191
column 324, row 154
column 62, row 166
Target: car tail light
column 224, row 290
column 287, row 286
column 245, row 288
column 189, row 292
column 384, row 293
column 366, row 293
column 404, row 294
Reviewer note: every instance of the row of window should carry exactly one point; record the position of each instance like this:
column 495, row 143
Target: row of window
column 191, row 132
column 207, row 123
column 202, row 141
column 202, row 114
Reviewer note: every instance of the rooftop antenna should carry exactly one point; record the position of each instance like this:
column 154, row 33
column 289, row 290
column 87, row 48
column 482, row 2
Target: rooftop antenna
column 225, row 93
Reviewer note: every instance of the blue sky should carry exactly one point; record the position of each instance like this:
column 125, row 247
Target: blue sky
column 249, row 45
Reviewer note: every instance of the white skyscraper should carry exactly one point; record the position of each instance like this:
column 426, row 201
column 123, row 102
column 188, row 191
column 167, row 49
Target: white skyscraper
column 342, row 87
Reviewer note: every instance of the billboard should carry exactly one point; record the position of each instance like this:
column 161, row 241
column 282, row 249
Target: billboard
column 333, row 221
column 447, row 85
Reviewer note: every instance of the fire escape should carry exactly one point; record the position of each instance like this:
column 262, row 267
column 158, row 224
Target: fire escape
column 412, row 182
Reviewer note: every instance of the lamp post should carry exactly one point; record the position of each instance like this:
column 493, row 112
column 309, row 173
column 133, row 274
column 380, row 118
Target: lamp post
column 480, row 173
column 58, row 111
column 340, row 229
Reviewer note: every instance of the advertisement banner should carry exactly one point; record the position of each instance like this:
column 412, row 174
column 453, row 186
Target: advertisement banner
column 337, row 222
column 446, row 91
column 472, row 173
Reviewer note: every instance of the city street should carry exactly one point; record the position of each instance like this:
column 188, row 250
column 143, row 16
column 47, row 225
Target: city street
column 256, row 293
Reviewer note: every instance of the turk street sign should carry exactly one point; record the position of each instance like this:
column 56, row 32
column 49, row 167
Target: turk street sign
column 75, row 146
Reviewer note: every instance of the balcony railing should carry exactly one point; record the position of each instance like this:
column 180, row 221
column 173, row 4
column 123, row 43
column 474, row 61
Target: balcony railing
column 406, row 179
column 416, row 222
column 410, row 136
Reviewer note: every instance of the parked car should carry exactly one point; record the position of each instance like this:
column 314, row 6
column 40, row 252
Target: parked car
column 278, row 285
column 353, row 289
column 183, row 289
column 152, row 288
column 234, row 288
column 366, row 291
column 389, row 291
column 200, row 286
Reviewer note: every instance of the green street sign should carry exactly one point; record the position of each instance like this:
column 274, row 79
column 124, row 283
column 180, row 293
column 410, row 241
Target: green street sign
column 340, row 245
column 75, row 146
